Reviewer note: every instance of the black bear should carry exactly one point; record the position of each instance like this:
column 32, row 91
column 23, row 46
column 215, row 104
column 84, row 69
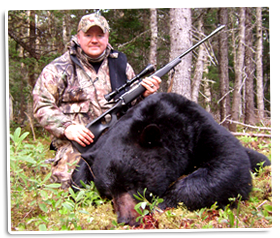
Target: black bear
column 174, row 148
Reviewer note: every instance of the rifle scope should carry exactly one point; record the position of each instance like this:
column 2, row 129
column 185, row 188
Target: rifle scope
column 149, row 69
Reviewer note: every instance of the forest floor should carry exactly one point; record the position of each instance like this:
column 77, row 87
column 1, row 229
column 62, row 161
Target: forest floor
column 38, row 205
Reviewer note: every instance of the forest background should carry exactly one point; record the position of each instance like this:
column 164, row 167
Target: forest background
column 229, row 75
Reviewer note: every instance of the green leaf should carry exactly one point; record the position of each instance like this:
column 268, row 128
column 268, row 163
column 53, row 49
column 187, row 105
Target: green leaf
column 145, row 212
column 72, row 215
column 33, row 180
column 43, row 207
column 16, row 134
column 80, row 196
column 231, row 219
column 63, row 211
column 137, row 206
column 44, row 194
column 53, row 185
column 23, row 136
column 64, row 228
column 12, row 137
column 268, row 208
column 84, row 212
column 23, row 177
column 72, row 193
column 83, row 184
column 57, row 204
column 256, row 189
column 160, row 200
column 115, row 223
column 144, row 192
column 42, row 227
column 68, row 205
column 137, row 209
column 43, row 218
column 138, row 198
column 27, row 159
column 17, row 139
column 47, row 177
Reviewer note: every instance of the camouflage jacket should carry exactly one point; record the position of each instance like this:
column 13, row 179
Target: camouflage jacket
column 66, row 93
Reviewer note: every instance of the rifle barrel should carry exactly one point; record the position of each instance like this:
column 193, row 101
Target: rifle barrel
column 162, row 71
column 202, row 41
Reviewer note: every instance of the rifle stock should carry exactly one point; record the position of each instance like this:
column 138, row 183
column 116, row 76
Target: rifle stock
column 98, row 126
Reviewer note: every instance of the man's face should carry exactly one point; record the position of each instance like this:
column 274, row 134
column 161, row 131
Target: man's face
column 94, row 41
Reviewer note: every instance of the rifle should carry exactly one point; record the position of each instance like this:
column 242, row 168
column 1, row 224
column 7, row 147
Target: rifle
column 98, row 125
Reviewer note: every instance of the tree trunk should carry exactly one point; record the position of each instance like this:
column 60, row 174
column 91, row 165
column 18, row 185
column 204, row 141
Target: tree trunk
column 206, row 86
column 232, row 33
column 181, row 40
column 198, row 73
column 65, row 31
column 207, row 93
column 223, row 68
column 236, row 101
column 32, row 45
column 249, row 71
column 22, row 103
column 259, row 65
column 154, row 37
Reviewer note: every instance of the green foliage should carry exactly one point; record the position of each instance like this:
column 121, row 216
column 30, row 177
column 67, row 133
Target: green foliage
column 144, row 207
column 87, row 196
column 231, row 216
column 39, row 205
column 29, row 179
column 247, row 139
column 25, row 161
column 17, row 138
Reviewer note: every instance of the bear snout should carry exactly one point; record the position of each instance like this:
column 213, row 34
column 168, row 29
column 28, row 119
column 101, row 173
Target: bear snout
column 124, row 208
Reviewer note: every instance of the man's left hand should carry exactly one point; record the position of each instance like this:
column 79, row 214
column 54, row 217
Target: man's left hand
column 151, row 84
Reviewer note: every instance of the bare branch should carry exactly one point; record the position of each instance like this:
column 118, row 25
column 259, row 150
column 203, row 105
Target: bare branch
column 224, row 96
column 24, row 45
column 250, row 134
column 246, row 125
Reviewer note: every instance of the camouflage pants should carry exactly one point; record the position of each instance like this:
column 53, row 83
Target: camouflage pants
column 66, row 159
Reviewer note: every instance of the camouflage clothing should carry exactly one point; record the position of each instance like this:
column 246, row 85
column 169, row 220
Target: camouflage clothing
column 67, row 94
column 93, row 19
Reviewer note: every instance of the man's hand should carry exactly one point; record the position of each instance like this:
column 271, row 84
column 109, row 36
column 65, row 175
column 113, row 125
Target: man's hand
column 80, row 134
column 151, row 84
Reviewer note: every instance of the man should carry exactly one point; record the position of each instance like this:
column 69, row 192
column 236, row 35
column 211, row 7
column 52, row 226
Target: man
column 70, row 91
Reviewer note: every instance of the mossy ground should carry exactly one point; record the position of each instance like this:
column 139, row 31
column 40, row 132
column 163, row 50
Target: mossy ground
column 38, row 205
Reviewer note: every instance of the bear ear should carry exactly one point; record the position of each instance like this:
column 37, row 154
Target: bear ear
column 150, row 136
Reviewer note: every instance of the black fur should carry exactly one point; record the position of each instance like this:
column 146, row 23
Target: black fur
column 174, row 148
